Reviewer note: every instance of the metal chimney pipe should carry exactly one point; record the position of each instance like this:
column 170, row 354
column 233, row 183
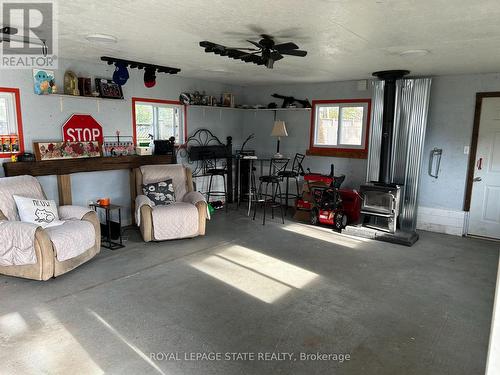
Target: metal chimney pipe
column 389, row 77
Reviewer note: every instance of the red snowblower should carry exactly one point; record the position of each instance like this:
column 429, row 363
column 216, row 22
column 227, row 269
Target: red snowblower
column 327, row 203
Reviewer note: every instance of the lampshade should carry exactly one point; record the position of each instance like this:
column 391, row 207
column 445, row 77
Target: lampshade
column 279, row 129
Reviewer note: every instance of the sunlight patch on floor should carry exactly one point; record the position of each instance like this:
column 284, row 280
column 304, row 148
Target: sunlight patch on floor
column 276, row 269
column 256, row 274
column 12, row 324
column 47, row 349
column 325, row 234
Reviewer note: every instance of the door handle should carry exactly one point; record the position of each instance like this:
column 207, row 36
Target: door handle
column 477, row 179
column 480, row 164
column 435, row 153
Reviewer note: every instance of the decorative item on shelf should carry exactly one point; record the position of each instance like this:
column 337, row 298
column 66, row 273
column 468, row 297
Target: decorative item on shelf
column 119, row 145
column 71, row 83
column 43, row 81
column 289, row 101
column 195, row 98
column 85, row 86
column 185, row 98
column 279, row 130
column 108, row 89
column 144, row 150
column 228, row 100
column 66, row 150
column 13, row 158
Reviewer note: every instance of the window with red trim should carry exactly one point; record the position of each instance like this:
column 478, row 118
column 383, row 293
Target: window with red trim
column 11, row 124
column 158, row 119
column 340, row 128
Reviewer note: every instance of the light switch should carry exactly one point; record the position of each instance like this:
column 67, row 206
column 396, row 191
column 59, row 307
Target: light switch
column 466, row 150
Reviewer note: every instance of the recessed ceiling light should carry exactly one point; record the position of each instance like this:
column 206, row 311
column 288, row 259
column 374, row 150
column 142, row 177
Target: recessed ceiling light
column 414, row 52
column 101, row 38
column 217, row 70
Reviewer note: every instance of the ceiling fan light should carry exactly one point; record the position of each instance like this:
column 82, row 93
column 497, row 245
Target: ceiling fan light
column 269, row 63
column 414, row 52
column 101, row 38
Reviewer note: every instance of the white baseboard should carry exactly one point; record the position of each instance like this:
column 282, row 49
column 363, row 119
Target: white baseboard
column 441, row 220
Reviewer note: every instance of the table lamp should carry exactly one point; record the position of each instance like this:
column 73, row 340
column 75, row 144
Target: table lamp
column 279, row 130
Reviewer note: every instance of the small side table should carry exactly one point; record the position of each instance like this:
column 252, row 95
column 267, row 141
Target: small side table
column 108, row 243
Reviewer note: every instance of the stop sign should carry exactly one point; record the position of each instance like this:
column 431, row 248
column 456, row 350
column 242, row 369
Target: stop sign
column 82, row 128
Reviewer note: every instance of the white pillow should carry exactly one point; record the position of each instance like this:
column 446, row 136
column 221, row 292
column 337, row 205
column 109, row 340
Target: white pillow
column 37, row 211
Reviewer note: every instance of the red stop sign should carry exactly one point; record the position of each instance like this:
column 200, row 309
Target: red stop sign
column 82, row 128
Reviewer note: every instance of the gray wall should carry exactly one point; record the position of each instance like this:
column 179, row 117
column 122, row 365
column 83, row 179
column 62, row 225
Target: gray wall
column 451, row 116
column 43, row 119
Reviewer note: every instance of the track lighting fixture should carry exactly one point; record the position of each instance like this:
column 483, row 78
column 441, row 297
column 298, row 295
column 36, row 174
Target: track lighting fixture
column 149, row 70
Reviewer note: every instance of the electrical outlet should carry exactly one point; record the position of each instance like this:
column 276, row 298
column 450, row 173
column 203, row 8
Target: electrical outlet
column 466, row 150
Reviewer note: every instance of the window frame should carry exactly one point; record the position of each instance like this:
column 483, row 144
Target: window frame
column 159, row 101
column 358, row 152
column 19, row 120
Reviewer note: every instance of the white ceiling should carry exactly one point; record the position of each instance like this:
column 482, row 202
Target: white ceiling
column 345, row 39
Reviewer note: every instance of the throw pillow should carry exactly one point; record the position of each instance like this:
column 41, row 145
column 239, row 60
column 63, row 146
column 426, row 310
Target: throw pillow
column 160, row 193
column 37, row 211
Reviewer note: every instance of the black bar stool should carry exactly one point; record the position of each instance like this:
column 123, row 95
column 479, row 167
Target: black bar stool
column 212, row 169
column 275, row 167
column 294, row 173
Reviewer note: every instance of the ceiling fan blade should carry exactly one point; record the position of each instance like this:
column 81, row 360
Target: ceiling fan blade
column 248, row 54
column 275, row 56
column 285, row 46
column 295, row 52
column 243, row 48
column 255, row 44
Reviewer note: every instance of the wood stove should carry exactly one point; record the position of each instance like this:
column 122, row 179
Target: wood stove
column 397, row 133
column 381, row 200
column 380, row 204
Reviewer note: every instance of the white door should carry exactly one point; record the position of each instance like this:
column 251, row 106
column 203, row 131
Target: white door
column 484, row 219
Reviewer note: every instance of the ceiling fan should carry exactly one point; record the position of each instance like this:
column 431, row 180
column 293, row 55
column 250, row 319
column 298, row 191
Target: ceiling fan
column 265, row 51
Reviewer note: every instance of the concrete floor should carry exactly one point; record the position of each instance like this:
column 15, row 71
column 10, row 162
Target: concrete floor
column 247, row 288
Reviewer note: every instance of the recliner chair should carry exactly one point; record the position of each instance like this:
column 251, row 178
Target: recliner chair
column 185, row 218
column 43, row 259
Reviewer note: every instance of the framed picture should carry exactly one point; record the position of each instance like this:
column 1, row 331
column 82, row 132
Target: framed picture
column 227, row 100
column 108, row 89
column 66, row 150
column 43, row 81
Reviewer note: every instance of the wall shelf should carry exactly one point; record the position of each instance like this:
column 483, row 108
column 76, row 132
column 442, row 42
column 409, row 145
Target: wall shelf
column 80, row 97
column 97, row 99
column 248, row 109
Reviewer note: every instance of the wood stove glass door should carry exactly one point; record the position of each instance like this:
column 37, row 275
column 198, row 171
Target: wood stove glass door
column 484, row 217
